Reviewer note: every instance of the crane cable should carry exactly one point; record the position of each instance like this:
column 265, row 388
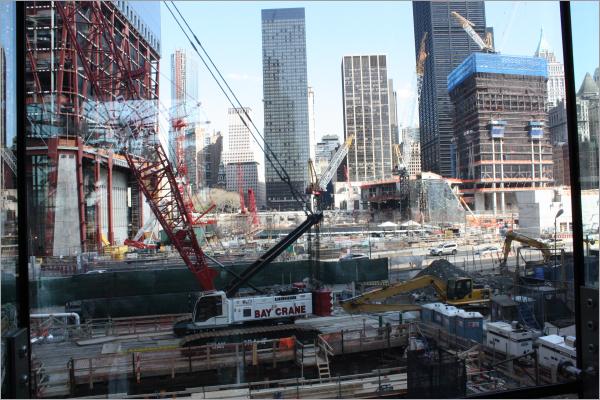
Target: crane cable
column 269, row 154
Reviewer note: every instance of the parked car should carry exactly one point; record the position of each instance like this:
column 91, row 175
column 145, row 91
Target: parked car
column 353, row 256
column 487, row 250
column 444, row 249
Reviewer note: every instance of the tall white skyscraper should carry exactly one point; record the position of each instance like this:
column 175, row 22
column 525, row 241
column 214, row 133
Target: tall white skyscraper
column 243, row 157
column 187, row 141
column 184, row 76
column 556, row 72
column 367, row 117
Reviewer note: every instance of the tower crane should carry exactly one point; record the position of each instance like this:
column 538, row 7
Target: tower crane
column 420, row 72
column 179, row 115
column 317, row 186
column 484, row 45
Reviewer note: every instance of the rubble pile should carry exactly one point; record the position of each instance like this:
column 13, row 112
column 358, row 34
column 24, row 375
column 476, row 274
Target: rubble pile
column 444, row 270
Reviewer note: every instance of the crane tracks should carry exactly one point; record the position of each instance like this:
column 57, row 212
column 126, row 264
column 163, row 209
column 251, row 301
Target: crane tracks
column 269, row 332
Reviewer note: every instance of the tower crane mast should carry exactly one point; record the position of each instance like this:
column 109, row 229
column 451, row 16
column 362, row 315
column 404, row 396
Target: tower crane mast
column 406, row 158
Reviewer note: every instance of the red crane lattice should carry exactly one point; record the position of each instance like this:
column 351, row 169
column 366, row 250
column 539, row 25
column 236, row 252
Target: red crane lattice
column 102, row 55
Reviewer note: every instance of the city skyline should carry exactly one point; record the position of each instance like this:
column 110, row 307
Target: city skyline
column 241, row 40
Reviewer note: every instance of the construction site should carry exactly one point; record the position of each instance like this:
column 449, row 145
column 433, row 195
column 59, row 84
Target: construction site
column 138, row 289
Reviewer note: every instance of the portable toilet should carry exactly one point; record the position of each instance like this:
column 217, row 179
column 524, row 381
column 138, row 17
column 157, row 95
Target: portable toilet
column 437, row 314
column 427, row 311
column 448, row 314
column 469, row 325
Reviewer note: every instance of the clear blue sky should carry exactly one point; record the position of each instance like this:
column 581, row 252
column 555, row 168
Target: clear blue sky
column 231, row 33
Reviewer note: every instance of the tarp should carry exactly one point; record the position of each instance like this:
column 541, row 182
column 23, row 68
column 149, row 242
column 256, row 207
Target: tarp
column 410, row 223
column 496, row 64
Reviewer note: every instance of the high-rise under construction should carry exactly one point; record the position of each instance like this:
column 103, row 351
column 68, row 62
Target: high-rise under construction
column 82, row 193
column 500, row 128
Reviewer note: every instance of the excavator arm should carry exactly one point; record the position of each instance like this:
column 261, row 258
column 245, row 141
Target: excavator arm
column 511, row 235
column 363, row 303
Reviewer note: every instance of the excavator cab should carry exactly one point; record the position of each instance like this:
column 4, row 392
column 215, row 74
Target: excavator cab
column 459, row 288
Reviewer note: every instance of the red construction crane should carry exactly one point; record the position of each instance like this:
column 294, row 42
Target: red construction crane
column 252, row 208
column 179, row 114
column 134, row 127
column 111, row 83
column 240, row 182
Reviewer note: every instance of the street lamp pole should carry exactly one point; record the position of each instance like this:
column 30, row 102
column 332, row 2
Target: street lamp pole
column 558, row 214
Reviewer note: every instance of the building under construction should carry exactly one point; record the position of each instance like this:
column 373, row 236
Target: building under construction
column 501, row 143
column 81, row 191
column 428, row 199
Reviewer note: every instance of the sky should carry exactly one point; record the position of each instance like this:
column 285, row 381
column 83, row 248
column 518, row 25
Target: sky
column 231, row 34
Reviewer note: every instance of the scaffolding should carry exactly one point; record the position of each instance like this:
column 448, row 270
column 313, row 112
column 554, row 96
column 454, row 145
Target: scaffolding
column 68, row 73
column 500, row 129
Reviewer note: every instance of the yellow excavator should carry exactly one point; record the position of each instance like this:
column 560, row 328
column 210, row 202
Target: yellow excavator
column 512, row 235
column 456, row 292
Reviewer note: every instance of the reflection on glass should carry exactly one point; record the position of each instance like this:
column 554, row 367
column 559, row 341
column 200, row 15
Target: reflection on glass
column 587, row 80
column 8, row 176
column 137, row 202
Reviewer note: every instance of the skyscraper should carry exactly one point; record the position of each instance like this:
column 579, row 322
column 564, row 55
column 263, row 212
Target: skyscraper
column 556, row 72
column 184, row 76
column 501, row 146
column 285, row 96
column 367, row 117
column 187, row 137
column 312, row 135
column 393, row 112
column 448, row 45
column 243, row 157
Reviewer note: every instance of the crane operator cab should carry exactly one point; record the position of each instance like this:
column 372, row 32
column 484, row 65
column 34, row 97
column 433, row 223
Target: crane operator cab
column 211, row 310
column 459, row 288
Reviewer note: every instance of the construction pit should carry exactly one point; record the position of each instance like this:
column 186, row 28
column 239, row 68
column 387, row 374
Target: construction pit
column 332, row 356
column 129, row 356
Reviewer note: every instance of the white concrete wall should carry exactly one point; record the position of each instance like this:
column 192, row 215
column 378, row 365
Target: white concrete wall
column 341, row 194
column 537, row 209
column 103, row 198
column 590, row 209
column 119, row 206
column 66, row 211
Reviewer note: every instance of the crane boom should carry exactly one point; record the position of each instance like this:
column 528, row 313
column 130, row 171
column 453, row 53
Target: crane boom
column 363, row 302
column 468, row 27
column 420, row 72
column 512, row 235
column 336, row 160
column 422, row 56
column 457, row 291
